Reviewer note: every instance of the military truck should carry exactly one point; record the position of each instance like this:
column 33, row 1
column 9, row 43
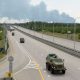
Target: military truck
column 21, row 40
column 55, row 64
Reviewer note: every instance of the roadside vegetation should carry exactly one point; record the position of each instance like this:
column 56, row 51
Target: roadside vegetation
column 63, row 30
column 2, row 42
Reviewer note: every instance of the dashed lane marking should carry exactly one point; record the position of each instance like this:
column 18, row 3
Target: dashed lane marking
column 48, row 76
column 31, row 59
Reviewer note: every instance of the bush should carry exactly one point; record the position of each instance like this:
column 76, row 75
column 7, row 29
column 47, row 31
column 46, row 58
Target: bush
column 0, row 37
column 79, row 36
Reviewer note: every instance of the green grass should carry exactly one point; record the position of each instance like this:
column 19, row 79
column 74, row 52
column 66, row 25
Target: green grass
column 65, row 36
column 1, row 39
column 1, row 43
column 2, row 54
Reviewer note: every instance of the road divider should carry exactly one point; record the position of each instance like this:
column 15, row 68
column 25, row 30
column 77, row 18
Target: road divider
column 55, row 45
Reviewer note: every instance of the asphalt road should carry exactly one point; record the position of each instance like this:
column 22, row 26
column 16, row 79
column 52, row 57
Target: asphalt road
column 61, row 41
column 20, row 58
column 24, row 65
column 37, row 53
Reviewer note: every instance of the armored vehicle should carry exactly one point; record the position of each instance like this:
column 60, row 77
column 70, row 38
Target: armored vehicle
column 21, row 40
column 55, row 64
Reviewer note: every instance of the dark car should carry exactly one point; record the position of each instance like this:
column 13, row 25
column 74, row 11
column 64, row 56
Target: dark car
column 21, row 40
column 12, row 33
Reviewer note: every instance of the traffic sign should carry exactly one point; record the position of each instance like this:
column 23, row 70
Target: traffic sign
column 10, row 58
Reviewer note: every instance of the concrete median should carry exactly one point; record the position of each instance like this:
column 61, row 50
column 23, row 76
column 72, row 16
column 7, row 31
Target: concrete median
column 58, row 46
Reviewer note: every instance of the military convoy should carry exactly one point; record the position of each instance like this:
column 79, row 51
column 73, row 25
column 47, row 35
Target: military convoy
column 55, row 64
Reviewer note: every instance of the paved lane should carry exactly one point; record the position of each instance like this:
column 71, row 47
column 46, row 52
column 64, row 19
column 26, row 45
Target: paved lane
column 39, row 52
column 23, row 63
column 61, row 41
column 20, row 60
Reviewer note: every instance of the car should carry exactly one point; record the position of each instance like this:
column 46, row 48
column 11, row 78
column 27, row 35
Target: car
column 55, row 64
column 21, row 40
column 12, row 33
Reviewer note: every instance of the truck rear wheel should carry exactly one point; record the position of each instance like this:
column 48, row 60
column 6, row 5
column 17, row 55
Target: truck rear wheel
column 63, row 71
column 47, row 66
column 52, row 71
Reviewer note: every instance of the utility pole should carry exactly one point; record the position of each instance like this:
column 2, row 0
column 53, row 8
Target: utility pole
column 74, row 34
column 53, row 31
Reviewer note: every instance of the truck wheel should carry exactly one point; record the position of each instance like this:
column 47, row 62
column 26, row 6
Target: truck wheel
column 63, row 71
column 47, row 66
column 52, row 71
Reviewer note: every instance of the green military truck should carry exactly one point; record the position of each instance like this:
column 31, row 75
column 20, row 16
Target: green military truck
column 55, row 64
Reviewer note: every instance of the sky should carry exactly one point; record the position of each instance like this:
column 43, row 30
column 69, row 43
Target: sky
column 40, row 10
column 71, row 7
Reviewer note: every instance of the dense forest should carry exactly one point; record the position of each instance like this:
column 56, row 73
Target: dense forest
column 64, row 30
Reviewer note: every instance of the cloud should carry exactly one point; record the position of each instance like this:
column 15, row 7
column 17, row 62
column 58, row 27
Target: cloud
column 22, row 9
column 40, row 13
column 8, row 20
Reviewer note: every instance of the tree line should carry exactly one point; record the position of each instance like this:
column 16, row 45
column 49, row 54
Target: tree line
column 52, row 27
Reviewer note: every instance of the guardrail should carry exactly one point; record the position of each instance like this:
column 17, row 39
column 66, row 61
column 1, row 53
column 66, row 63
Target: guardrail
column 60, row 47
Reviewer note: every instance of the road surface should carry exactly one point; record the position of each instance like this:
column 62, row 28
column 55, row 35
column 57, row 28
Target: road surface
column 36, row 68
column 22, row 61
column 64, row 42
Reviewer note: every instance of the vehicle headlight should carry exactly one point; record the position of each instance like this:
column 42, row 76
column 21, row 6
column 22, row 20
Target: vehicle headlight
column 54, row 67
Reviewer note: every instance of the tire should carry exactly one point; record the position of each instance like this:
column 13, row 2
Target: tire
column 63, row 71
column 47, row 66
column 21, row 41
column 52, row 71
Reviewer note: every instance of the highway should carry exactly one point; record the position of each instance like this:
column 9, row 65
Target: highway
column 30, row 58
column 15, row 52
column 22, row 62
column 64, row 42
column 37, row 52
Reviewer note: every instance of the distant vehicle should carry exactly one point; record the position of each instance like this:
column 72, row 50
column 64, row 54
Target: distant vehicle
column 12, row 33
column 55, row 64
column 11, row 28
column 21, row 40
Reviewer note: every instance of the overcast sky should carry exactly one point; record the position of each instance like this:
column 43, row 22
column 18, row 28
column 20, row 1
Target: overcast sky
column 70, row 7
column 41, row 10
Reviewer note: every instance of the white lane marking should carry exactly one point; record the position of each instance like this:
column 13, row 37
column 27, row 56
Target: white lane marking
column 44, row 71
column 48, row 76
column 23, row 50
column 36, row 65
column 31, row 67
column 27, row 54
